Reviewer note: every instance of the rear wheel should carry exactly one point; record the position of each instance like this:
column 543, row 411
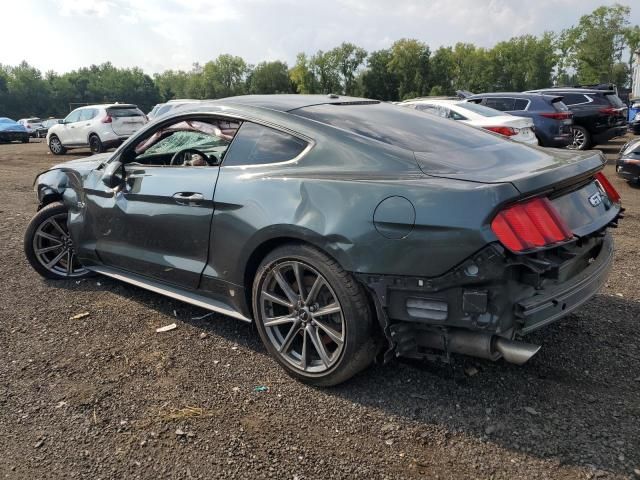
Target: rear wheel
column 313, row 317
column 25, row 140
column 95, row 144
column 581, row 139
column 55, row 145
column 49, row 247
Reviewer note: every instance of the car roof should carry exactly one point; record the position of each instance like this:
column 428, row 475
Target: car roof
column 592, row 91
column 109, row 105
column 435, row 101
column 286, row 102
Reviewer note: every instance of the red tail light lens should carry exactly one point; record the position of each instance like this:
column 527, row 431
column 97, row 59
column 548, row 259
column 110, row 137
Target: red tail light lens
column 558, row 115
column 609, row 111
column 107, row 119
column 609, row 189
column 506, row 131
column 531, row 224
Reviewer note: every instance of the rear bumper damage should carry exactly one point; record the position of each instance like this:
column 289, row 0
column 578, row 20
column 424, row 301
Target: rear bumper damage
column 480, row 307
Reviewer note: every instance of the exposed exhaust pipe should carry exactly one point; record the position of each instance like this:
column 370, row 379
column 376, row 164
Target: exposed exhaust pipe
column 515, row 352
column 479, row 344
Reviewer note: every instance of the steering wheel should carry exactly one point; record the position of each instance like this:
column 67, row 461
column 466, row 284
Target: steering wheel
column 180, row 154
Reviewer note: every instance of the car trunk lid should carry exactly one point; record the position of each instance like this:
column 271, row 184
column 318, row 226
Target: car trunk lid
column 529, row 169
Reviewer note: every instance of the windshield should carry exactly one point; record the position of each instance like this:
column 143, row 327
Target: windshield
column 480, row 109
column 614, row 100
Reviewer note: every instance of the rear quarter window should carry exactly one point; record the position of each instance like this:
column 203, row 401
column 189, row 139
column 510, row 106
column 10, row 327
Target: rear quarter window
column 500, row 103
column 574, row 98
column 521, row 104
column 258, row 145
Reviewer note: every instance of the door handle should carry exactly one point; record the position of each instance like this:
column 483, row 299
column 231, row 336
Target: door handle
column 184, row 198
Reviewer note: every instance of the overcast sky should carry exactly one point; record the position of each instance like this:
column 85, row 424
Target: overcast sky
column 155, row 35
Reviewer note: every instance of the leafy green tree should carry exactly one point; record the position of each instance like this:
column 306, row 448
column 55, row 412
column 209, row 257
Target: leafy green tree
column 377, row 81
column 632, row 40
column 302, row 76
column 410, row 62
column 348, row 58
column 441, row 72
column 471, row 68
column 598, row 42
column 269, row 77
column 324, row 66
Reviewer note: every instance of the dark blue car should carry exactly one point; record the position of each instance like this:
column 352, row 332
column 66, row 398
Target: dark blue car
column 551, row 117
column 10, row 131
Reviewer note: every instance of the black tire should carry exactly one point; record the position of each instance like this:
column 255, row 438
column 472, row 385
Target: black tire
column 25, row 140
column 95, row 144
column 32, row 237
column 55, row 146
column 357, row 330
column 581, row 138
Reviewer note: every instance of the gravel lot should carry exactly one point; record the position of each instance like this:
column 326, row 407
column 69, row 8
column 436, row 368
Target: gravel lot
column 105, row 396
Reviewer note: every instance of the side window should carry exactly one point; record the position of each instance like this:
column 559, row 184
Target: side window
column 194, row 143
column 456, row 116
column 256, row 144
column 521, row 104
column 574, row 98
column 73, row 117
column 500, row 103
column 87, row 114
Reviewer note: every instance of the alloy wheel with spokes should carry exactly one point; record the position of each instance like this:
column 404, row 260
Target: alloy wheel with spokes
column 302, row 316
column 49, row 246
column 580, row 139
column 312, row 315
column 55, row 145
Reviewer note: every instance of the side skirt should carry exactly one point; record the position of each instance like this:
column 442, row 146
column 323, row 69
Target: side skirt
column 172, row 292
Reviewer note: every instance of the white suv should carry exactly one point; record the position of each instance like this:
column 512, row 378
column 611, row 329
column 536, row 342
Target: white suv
column 95, row 126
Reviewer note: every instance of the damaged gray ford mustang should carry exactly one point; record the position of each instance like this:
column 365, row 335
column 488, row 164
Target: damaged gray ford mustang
column 347, row 229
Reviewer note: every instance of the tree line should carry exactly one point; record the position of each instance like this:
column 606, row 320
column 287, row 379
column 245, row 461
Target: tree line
column 591, row 51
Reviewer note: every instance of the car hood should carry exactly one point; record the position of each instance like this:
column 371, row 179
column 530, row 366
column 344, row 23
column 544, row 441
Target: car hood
column 527, row 168
column 84, row 165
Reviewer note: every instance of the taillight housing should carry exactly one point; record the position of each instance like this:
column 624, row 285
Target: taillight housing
column 609, row 111
column 107, row 119
column 609, row 189
column 530, row 225
column 558, row 115
column 506, row 131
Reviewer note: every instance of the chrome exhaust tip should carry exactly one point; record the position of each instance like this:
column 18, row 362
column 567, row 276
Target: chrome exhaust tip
column 515, row 352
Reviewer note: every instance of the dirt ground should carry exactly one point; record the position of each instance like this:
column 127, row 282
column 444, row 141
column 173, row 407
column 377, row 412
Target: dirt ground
column 106, row 397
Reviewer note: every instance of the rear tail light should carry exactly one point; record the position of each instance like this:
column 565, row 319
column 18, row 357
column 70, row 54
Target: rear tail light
column 529, row 225
column 609, row 111
column 609, row 189
column 506, row 131
column 558, row 115
column 107, row 119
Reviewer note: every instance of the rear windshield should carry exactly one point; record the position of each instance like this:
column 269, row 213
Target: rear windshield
column 399, row 126
column 120, row 112
column 614, row 100
column 34, row 120
column 480, row 109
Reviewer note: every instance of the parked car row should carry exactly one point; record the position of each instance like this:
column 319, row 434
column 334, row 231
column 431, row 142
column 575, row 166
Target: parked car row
column 575, row 118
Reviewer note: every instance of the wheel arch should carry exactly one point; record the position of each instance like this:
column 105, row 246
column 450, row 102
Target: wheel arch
column 267, row 245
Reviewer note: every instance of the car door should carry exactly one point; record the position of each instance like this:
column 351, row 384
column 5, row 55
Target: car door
column 157, row 221
column 82, row 128
column 67, row 130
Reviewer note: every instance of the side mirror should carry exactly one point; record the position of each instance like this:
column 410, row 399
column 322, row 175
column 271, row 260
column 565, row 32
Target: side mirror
column 110, row 175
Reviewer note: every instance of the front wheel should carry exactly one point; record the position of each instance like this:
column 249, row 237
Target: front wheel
column 56, row 147
column 313, row 317
column 49, row 247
